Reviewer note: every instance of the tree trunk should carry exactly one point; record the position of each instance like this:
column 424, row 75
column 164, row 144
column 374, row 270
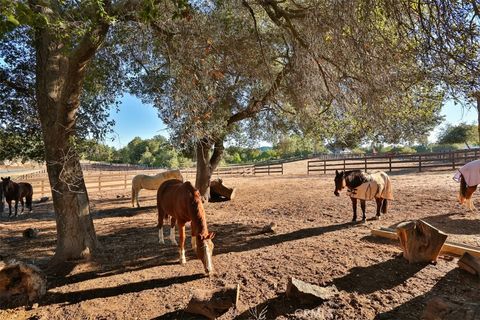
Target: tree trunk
column 60, row 72
column 206, row 165
column 204, row 169
column 477, row 95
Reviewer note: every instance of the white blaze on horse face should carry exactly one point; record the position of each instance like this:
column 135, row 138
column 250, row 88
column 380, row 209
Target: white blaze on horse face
column 160, row 236
column 172, row 236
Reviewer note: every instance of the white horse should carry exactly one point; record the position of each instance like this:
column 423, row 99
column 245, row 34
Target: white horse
column 143, row 181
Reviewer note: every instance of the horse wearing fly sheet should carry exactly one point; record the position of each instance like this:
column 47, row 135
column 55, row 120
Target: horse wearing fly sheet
column 364, row 186
column 469, row 178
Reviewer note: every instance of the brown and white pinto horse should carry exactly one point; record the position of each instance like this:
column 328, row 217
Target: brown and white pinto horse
column 363, row 186
column 183, row 203
column 469, row 178
column 16, row 192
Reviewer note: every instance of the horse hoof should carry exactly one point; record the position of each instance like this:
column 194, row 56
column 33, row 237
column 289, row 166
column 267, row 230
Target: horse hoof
column 377, row 217
column 364, row 220
column 174, row 243
column 161, row 242
column 183, row 262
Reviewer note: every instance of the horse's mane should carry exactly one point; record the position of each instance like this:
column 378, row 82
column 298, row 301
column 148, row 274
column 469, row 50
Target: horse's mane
column 199, row 216
column 355, row 178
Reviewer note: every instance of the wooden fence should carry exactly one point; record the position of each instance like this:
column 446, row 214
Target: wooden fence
column 100, row 181
column 419, row 162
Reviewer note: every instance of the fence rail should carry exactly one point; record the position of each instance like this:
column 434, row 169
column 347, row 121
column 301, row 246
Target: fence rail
column 420, row 162
column 98, row 181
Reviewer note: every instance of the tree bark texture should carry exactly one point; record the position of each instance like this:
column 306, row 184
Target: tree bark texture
column 477, row 95
column 207, row 164
column 59, row 79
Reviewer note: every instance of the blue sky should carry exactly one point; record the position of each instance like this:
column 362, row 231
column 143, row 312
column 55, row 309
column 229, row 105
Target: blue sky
column 136, row 119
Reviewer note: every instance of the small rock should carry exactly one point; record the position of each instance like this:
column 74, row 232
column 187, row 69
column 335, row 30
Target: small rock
column 308, row 293
column 270, row 228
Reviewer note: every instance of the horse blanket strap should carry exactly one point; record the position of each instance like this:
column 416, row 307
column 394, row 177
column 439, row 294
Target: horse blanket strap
column 470, row 172
column 377, row 186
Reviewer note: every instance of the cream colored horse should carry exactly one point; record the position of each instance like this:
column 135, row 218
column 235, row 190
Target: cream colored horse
column 143, row 181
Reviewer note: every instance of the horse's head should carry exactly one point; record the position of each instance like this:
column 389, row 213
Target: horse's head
column 5, row 181
column 339, row 182
column 205, row 251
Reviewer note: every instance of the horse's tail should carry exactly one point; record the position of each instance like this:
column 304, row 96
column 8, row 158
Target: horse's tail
column 463, row 189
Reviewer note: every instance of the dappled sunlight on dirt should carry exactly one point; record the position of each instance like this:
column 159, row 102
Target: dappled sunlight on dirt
column 135, row 277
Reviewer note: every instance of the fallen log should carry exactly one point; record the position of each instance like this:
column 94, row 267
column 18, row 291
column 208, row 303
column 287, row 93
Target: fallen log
column 218, row 190
column 213, row 303
column 420, row 241
column 469, row 263
column 449, row 247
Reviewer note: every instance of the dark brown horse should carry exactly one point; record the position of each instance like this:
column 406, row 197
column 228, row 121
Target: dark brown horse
column 376, row 186
column 183, row 203
column 2, row 199
column 17, row 191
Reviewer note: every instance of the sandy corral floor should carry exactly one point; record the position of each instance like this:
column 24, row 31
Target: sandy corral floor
column 135, row 278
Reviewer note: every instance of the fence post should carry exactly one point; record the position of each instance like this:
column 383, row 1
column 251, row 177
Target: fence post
column 366, row 164
column 268, row 169
column 282, row 168
column 344, row 164
column 420, row 163
column 324, row 166
column 390, row 163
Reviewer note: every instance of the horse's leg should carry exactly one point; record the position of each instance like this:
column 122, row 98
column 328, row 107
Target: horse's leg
column 137, row 195
column 9, row 201
column 469, row 201
column 385, row 206
column 379, row 206
column 133, row 196
column 172, row 231
column 160, row 226
column 354, row 207
column 23, row 204
column 16, row 207
column 362, row 205
column 181, row 238
column 29, row 203
column 194, row 238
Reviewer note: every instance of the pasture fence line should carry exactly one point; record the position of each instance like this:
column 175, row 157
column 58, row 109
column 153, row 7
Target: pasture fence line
column 100, row 181
column 395, row 162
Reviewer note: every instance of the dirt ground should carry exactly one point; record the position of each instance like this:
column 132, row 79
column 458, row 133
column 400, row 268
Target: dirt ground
column 136, row 278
